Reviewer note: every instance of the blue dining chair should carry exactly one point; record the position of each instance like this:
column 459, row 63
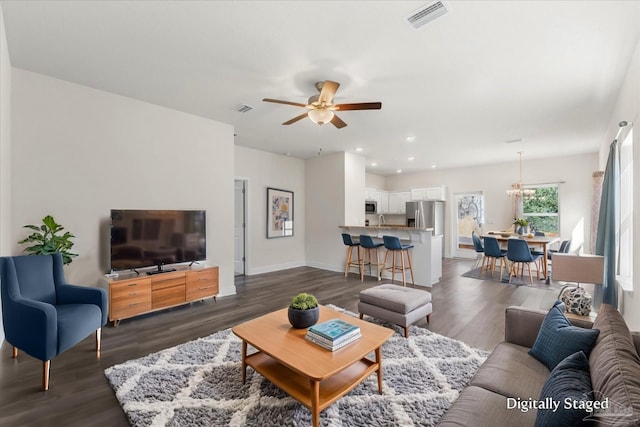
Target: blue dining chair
column 519, row 254
column 493, row 253
column 477, row 246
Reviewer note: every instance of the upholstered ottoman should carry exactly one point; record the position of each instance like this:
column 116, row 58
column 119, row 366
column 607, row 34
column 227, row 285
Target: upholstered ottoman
column 396, row 304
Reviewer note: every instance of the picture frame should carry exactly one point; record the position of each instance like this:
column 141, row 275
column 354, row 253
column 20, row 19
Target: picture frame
column 279, row 213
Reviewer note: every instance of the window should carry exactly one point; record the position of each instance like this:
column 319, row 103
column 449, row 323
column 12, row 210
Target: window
column 624, row 221
column 541, row 210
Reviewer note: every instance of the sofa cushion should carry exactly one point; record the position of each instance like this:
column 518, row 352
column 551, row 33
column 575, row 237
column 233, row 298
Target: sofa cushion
column 568, row 382
column 479, row 407
column 510, row 371
column 558, row 338
column 615, row 369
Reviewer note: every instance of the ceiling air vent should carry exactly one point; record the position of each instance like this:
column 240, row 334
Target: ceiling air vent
column 243, row 108
column 427, row 13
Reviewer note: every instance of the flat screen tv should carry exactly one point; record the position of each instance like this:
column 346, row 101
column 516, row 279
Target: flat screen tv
column 147, row 238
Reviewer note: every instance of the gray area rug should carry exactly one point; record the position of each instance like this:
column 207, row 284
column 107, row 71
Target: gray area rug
column 515, row 281
column 199, row 384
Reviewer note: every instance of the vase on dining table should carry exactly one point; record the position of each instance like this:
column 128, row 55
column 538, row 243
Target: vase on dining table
column 522, row 230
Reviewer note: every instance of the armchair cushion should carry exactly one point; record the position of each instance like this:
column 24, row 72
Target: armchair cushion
column 75, row 323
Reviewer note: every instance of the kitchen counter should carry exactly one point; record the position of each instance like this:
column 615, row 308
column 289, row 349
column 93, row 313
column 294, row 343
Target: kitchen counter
column 426, row 253
column 387, row 227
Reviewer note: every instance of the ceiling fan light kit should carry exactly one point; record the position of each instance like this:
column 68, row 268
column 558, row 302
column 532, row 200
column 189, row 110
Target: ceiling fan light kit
column 321, row 116
column 321, row 107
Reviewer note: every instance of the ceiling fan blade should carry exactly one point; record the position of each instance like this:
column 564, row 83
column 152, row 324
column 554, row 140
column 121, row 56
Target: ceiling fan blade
column 329, row 89
column 295, row 119
column 277, row 101
column 337, row 122
column 359, row 106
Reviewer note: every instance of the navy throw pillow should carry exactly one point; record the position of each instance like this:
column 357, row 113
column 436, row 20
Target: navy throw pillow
column 568, row 385
column 558, row 338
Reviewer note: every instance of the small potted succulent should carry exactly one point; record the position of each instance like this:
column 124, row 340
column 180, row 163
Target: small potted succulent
column 303, row 311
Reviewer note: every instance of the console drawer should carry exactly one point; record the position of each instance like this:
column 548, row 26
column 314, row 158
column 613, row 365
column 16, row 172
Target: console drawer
column 202, row 284
column 166, row 297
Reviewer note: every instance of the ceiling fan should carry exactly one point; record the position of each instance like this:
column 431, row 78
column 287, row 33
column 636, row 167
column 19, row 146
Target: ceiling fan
column 321, row 107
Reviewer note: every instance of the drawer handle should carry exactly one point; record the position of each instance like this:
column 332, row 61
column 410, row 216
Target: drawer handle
column 132, row 294
column 203, row 288
column 132, row 284
column 132, row 304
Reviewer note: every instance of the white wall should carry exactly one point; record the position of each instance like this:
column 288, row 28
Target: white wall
column 78, row 152
column 627, row 109
column 261, row 170
column 5, row 150
column 325, row 188
column 493, row 180
column 354, row 177
column 375, row 181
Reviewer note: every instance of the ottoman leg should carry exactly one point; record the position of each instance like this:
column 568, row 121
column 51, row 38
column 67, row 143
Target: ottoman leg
column 361, row 316
column 406, row 332
column 428, row 318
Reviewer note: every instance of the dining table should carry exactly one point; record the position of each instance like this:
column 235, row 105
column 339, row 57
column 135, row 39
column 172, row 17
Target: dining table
column 533, row 242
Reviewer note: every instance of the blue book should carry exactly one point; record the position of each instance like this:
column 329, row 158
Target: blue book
column 333, row 329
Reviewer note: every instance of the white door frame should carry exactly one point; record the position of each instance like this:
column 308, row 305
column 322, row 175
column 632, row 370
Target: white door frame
column 240, row 227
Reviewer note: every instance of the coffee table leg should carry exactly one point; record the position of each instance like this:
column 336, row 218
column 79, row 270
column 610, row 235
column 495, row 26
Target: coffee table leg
column 315, row 403
column 379, row 371
column 244, row 361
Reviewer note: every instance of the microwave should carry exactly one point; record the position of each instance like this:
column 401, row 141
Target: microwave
column 370, row 207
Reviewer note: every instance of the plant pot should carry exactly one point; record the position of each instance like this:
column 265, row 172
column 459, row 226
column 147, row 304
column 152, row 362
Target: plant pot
column 301, row 319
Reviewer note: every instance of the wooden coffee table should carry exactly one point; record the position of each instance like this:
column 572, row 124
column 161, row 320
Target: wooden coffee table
column 310, row 374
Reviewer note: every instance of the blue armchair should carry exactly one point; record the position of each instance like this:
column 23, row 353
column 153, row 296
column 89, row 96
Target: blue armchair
column 42, row 314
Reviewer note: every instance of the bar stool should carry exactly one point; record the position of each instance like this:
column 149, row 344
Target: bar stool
column 346, row 239
column 367, row 243
column 392, row 244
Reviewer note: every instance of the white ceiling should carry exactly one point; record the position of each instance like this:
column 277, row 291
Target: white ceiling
column 462, row 85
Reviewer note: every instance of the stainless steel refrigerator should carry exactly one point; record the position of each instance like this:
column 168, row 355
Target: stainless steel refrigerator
column 426, row 214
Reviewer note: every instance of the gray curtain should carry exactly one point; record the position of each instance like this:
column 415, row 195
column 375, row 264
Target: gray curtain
column 606, row 244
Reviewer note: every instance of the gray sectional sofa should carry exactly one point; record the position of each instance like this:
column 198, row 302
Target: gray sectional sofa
column 511, row 375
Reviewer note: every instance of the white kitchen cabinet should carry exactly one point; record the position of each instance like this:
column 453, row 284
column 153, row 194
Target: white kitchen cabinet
column 398, row 201
column 418, row 194
column 436, row 193
column 383, row 202
column 371, row 194
column 429, row 193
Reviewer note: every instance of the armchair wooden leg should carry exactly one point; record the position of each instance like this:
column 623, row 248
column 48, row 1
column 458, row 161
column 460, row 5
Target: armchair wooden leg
column 45, row 375
column 15, row 352
column 98, row 339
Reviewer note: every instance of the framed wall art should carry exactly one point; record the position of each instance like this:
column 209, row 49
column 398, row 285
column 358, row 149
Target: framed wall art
column 279, row 213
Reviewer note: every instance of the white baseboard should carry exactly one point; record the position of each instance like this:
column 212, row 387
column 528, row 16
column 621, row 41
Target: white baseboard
column 274, row 267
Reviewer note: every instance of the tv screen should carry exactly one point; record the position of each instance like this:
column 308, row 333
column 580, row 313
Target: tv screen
column 145, row 238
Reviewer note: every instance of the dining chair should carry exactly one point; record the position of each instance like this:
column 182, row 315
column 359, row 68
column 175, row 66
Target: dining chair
column 519, row 254
column 492, row 253
column 478, row 247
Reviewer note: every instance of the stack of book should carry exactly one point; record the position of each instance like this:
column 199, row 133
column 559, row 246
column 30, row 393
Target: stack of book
column 333, row 334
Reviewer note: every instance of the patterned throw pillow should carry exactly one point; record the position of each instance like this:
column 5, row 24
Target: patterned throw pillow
column 558, row 338
column 577, row 300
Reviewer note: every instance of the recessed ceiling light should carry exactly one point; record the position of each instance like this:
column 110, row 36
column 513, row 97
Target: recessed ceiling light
column 287, row 154
column 433, row 166
column 411, row 158
column 411, row 138
column 399, row 171
column 358, row 149
column 374, row 164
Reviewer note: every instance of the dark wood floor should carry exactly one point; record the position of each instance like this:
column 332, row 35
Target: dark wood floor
column 468, row 309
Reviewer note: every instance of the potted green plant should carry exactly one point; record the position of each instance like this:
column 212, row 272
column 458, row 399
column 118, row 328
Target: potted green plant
column 521, row 225
column 46, row 240
column 303, row 311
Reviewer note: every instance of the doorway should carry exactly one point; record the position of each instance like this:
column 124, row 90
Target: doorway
column 469, row 213
column 239, row 227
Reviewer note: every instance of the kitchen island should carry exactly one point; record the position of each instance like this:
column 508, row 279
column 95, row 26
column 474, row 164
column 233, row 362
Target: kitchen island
column 426, row 253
